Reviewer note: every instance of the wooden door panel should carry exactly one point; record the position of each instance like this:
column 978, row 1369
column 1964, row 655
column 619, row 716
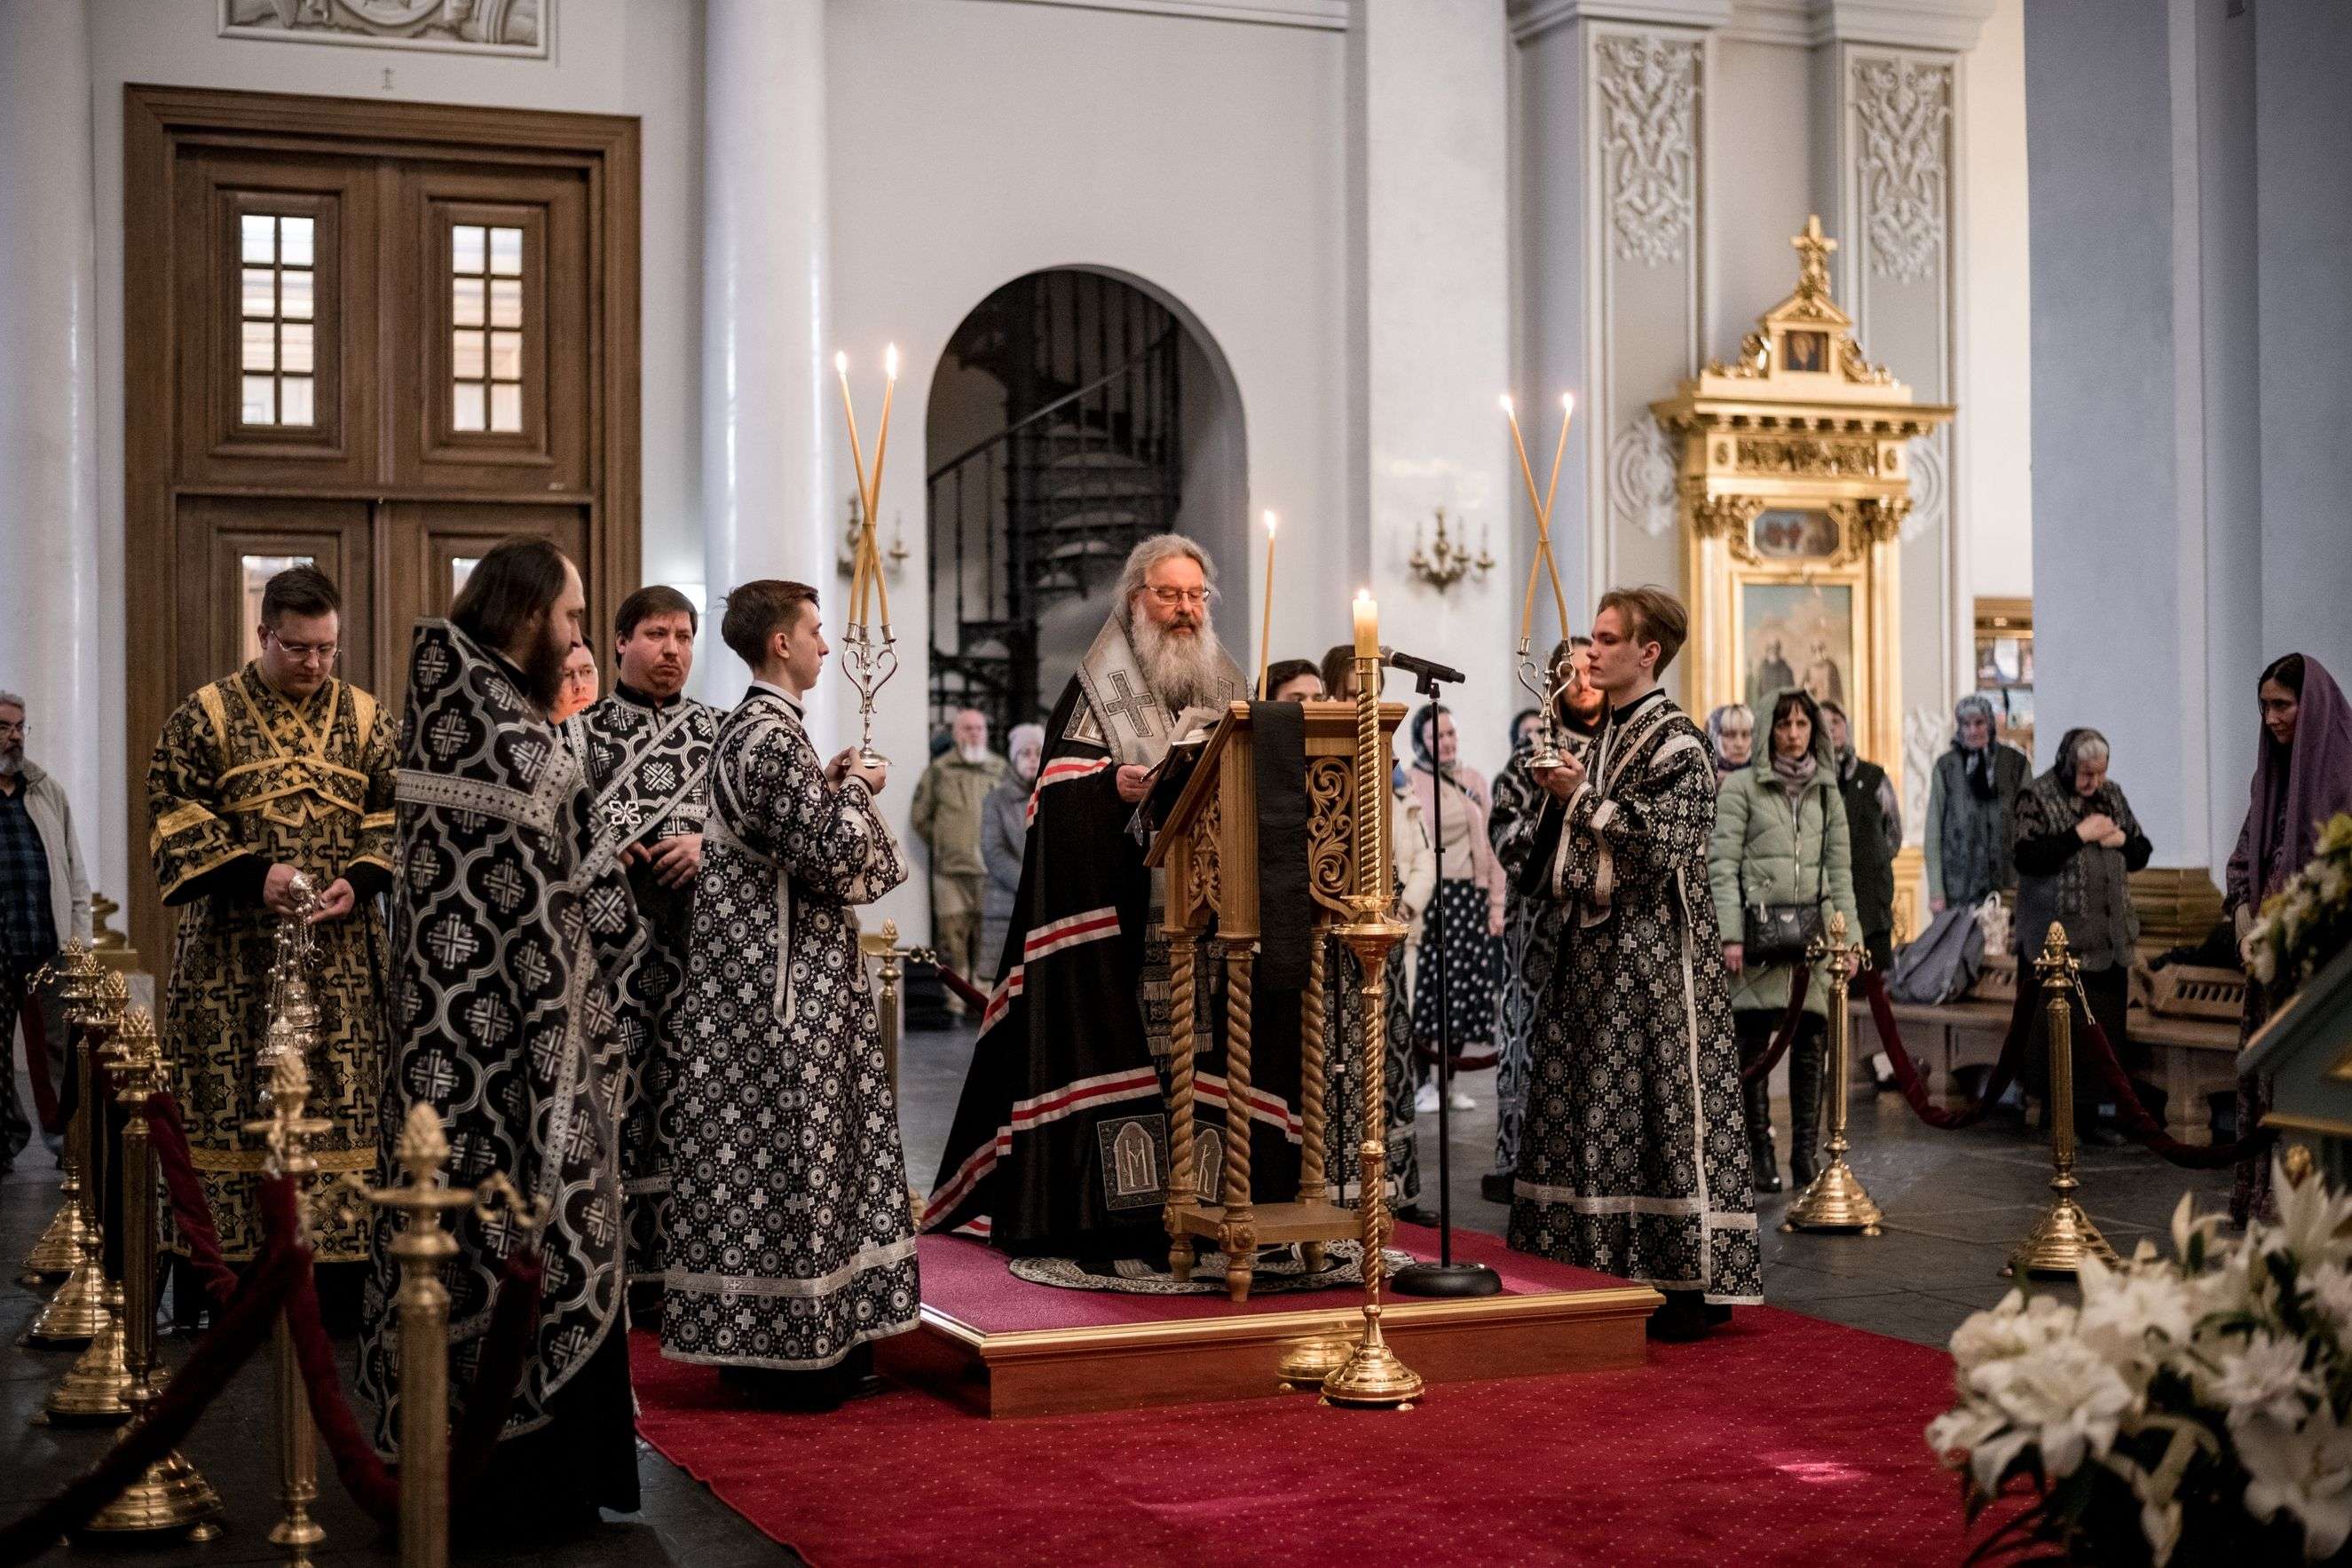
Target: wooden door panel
column 278, row 304
column 431, row 543
column 229, row 547
column 496, row 383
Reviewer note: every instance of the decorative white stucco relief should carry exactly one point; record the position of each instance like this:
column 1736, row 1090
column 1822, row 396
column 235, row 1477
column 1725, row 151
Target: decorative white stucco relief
column 1905, row 110
column 1642, row 476
column 1649, row 89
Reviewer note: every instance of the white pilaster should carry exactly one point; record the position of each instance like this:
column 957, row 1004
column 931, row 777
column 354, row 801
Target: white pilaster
column 48, row 407
column 769, row 409
column 1428, row 99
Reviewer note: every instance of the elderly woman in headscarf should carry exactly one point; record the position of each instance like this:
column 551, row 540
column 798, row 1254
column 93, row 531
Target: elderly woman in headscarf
column 2075, row 842
column 1731, row 736
column 2303, row 777
column 1468, row 908
column 1003, row 838
column 1968, row 801
column 1781, row 838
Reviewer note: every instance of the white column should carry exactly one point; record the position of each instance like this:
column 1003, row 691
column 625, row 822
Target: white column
column 768, row 404
column 48, row 407
column 1429, row 102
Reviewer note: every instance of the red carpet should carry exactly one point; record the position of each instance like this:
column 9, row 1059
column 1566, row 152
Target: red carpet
column 1781, row 1440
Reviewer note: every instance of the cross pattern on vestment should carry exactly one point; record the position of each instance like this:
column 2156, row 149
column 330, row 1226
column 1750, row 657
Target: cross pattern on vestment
column 1140, row 708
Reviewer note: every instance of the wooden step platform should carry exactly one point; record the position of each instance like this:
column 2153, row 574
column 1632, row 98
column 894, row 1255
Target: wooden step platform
column 1003, row 1347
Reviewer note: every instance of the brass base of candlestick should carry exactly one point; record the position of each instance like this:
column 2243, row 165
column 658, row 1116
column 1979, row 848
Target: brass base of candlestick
column 77, row 1313
column 1373, row 1378
column 170, row 1495
column 1835, row 1200
column 1306, row 1363
column 60, row 1246
column 2059, row 1242
column 91, row 1392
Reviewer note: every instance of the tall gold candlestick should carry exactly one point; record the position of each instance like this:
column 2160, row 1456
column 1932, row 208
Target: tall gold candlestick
column 1265, row 619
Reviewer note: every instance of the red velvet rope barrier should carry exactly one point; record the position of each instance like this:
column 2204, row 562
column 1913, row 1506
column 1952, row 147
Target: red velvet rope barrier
column 971, row 995
column 190, row 1212
column 1915, row 1087
column 230, row 1343
column 34, row 1023
column 2146, row 1130
column 1762, row 1066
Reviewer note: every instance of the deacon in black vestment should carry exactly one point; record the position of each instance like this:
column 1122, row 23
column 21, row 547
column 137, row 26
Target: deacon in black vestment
column 1067, row 1063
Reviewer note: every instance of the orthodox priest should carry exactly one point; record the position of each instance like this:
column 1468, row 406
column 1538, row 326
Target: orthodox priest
column 647, row 750
column 1633, row 1154
column 511, row 925
column 792, row 1241
column 276, row 769
column 1064, row 1063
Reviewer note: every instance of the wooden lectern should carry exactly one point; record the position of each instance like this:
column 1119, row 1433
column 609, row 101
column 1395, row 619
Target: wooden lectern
column 1209, row 846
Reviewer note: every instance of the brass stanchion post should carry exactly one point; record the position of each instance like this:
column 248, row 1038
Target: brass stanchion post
column 1835, row 1200
column 94, row 1390
column 1372, row 1376
column 77, row 1313
column 286, row 1131
column 74, row 973
column 171, row 1495
column 423, row 1302
column 2064, row 1234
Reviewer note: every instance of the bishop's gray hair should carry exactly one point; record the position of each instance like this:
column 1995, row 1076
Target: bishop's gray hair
column 10, row 699
column 1150, row 553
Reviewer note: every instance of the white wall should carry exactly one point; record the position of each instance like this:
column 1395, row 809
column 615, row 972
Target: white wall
column 972, row 143
column 642, row 59
column 1995, row 427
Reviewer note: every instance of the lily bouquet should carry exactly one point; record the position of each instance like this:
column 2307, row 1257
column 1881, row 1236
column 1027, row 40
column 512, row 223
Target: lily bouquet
column 2194, row 1410
column 2307, row 922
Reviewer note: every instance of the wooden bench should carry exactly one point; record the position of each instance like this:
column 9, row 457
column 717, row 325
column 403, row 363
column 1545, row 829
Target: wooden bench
column 2193, row 1056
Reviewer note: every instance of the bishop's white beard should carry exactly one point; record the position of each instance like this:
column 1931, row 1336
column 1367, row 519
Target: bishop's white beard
column 1183, row 672
column 975, row 754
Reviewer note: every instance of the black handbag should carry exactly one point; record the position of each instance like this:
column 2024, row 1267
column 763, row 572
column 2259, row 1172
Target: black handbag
column 1780, row 933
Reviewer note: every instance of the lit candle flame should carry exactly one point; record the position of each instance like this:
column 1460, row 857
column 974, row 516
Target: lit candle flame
column 840, row 363
column 1269, row 523
column 1504, row 403
column 890, row 362
column 1568, row 404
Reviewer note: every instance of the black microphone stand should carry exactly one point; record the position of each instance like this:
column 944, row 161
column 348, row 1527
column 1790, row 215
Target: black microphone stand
column 1445, row 1277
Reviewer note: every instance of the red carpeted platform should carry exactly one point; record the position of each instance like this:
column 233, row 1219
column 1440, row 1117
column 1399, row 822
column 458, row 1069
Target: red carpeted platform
column 1003, row 1346
column 1779, row 1440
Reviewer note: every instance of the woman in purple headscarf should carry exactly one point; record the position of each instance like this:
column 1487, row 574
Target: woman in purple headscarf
column 2302, row 776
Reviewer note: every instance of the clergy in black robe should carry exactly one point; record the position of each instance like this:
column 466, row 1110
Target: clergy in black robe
column 511, row 926
column 791, row 1235
column 647, row 749
column 1067, row 1064
column 1633, row 1154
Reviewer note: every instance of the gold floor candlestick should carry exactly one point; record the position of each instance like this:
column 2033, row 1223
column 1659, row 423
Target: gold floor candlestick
column 1372, row 1376
column 2064, row 1235
column 78, row 1313
column 94, row 1391
column 170, row 1495
column 287, row 1133
column 423, row 1302
column 1835, row 1200
column 73, row 978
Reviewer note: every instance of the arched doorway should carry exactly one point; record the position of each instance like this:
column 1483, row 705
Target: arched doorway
column 1072, row 414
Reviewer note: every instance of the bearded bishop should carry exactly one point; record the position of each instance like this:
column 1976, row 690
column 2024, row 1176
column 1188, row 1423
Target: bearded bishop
column 1060, row 1141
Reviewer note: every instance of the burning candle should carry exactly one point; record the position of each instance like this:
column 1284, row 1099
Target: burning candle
column 1265, row 619
column 1368, row 626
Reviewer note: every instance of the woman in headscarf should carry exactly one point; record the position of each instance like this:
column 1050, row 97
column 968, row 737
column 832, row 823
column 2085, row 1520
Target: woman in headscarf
column 1780, row 838
column 1003, row 838
column 1529, row 941
column 1968, row 801
column 1731, row 736
column 2302, row 776
column 2075, row 844
column 1455, row 804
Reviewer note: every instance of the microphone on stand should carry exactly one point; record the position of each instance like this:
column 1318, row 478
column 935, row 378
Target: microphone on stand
column 1429, row 671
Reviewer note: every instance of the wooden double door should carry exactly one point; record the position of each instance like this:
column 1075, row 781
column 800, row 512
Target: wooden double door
column 377, row 339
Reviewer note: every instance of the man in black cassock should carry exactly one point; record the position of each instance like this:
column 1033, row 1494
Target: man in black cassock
column 511, row 925
column 647, row 749
column 1066, row 1062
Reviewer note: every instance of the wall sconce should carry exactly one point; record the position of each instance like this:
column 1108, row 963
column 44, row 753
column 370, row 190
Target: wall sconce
column 894, row 560
column 1444, row 562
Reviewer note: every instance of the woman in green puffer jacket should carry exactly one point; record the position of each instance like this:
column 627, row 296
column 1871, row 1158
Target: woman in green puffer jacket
column 1781, row 837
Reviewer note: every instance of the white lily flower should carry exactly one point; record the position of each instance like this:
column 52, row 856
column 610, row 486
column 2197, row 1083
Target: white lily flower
column 2016, row 1327
column 2314, row 1223
column 2308, row 1471
column 2067, row 1395
column 2266, row 1379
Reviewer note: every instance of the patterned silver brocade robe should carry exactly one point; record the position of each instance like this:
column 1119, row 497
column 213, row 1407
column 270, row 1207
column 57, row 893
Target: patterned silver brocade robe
column 790, row 1237
column 241, row 771
column 1633, row 1155
column 511, row 926
column 648, row 765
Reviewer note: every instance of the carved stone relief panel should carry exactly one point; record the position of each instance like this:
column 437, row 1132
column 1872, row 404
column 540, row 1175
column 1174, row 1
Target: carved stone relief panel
column 1903, row 110
column 1649, row 87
